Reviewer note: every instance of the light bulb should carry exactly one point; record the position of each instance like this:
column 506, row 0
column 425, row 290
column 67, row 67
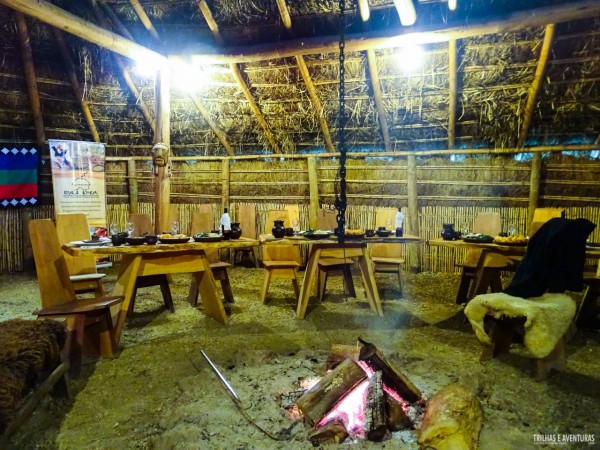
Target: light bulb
column 406, row 11
column 452, row 5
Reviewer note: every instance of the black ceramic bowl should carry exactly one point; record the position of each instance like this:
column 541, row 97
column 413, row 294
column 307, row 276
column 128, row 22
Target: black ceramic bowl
column 118, row 239
column 151, row 239
column 137, row 240
column 383, row 233
column 370, row 233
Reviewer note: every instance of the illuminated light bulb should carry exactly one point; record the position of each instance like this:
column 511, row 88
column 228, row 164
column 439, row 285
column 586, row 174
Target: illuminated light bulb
column 406, row 11
column 452, row 5
column 410, row 58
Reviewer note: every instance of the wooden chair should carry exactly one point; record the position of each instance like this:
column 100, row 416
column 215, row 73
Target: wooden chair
column 202, row 221
column 247, row 217
column 280, row 261
column 327, row 220
column 587, row 313
column 387, row 258
column 82, row 269
column 142, row 224
column 89, row 321
column 543, row 215
column 489, row 223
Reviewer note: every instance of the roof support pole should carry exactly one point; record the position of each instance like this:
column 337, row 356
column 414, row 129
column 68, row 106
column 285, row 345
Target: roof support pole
column 452, row 57
column 162, row 185
column 413, row 209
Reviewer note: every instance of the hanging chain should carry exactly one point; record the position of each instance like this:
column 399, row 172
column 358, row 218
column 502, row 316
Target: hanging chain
column 340, row 200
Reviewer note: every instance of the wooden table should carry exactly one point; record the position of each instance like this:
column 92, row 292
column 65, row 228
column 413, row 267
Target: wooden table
column 162, row 259
column 352, row 248
column 482, row 277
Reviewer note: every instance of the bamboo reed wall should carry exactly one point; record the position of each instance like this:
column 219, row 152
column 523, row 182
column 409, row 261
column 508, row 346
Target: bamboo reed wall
column 448, row 192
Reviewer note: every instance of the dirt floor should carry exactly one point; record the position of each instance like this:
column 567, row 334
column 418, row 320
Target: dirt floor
column 159, row 393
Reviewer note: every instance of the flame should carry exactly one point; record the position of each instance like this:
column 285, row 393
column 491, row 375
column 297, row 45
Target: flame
column 350, row 410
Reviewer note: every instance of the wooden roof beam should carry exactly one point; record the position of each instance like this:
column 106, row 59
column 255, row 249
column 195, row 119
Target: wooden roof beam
column 372, row 63
column 210, row 21
column 237, row 74
column 125, row 72
column 405, row 36
column 72, row 74
column 314, row 98
column 284, row 12
column 139, row 10
column 51, row 14
column 363, row 9
column 30, row 78
column 452, row 90
column 536, row 84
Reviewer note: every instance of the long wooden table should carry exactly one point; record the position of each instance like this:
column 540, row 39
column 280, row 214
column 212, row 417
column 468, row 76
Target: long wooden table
column 163, row 259
column 352, row 248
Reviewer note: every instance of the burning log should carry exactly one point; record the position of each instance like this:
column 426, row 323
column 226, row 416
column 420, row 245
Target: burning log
column 391, row 375
column 340, row 352
column 375, row 419
column 332, row 388
column 396, row 418
column 333, row 432
column 452, row 420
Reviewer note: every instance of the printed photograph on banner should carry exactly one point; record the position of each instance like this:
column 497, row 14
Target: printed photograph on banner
column 78, row 179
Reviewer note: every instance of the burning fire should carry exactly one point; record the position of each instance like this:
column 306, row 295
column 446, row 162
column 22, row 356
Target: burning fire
column 350, row 411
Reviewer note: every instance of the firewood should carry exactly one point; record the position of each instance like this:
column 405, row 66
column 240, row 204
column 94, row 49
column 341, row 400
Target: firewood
column 452, row 420
column 333, row 432
column 375, row 421
column 396, row 418
column 392, row 377
column 330, row 390
column 288, row 400
column 340, row 352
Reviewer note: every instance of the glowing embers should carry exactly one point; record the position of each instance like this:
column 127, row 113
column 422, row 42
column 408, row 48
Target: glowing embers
column 363, row 396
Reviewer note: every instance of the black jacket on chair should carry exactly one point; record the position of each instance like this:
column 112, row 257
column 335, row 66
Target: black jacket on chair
column 554, row 260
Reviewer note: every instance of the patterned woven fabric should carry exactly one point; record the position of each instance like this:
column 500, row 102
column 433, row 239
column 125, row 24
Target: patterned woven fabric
column 18, row 177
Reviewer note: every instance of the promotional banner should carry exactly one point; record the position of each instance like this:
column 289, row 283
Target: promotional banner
column 78, row 179
column 18, row 177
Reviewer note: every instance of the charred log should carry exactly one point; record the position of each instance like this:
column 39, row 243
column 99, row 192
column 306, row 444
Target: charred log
column 375, row 421
column 339, row 353
column 333, row 432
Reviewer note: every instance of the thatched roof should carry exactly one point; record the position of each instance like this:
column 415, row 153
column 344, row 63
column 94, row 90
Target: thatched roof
column 495, row 76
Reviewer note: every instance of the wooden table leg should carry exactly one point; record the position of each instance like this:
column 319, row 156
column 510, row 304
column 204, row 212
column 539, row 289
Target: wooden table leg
column 124, row 286
column 366, row 271
column 309, row 279
column 211, row 301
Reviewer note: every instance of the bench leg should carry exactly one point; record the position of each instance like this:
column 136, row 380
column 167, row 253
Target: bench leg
column 265, row 287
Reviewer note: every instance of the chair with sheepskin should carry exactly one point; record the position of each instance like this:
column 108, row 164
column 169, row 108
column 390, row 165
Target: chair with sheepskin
column 535, row 303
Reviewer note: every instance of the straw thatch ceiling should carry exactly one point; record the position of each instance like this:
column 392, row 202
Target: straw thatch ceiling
column 274, row 71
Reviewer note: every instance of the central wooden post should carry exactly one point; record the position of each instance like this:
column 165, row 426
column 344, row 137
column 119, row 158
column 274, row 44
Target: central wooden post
column 313, row 183
column 224, row 184
column 162, row 144
column 413, row 209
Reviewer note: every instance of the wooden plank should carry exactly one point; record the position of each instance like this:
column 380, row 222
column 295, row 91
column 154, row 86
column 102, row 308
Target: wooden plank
column 51, row 14
column 504, row 23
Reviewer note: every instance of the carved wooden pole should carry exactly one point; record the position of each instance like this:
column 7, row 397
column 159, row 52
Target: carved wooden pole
column 38, row 120
column 452, row 93
column 133, row 186
column 162, row 144
column 534, row 186
column 313, row 183
column 224, row 184
column 413, row 208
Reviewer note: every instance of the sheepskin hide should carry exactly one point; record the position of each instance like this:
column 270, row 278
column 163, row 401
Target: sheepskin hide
column 28, row 348
column 547, row 317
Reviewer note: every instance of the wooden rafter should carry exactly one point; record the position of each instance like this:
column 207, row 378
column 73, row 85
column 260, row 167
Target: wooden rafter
column 30, row 78
column 139, row 10
column 125, row 72
column 284, row 13
column 72, row 74
column 374, row 75
column 363, row 9
column 536, row 84
column 201, row 108
column 237, row 74
column 212, row 124
column 391, row 38
column 314, row 98
column 210, row 20
column 452, row 67
column 51, row 14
